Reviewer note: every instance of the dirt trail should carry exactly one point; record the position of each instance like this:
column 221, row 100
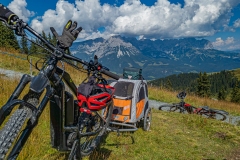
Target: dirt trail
column 10, row 74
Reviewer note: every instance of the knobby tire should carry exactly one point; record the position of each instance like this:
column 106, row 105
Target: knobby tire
column 11, row 129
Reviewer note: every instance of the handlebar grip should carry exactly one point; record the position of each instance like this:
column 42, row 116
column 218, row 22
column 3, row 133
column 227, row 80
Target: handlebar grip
column 6, row 14
column 110, row 74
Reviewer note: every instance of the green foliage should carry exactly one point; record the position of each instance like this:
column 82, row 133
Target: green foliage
column 222, row 94
column 221, row 83
column 235, row 96
column 24, row 45
column 183, row 81
column 36, row 49
column 7, row 38
column 33, row 48
column 203, row 88
column 52, row 39
column 169, row 84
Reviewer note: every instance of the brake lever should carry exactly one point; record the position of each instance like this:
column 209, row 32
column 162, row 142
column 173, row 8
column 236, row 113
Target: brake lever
column 6, row 24
column 20, row 25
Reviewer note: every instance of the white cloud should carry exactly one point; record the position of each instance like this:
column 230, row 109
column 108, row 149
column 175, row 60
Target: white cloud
column 19, row 8
column 218, row 42
column 229, row 44
column 197, row 18
column 237, row 23
column 229, row 40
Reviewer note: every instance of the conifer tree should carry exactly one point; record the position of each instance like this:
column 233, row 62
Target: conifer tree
column 24, row 45
column 203, row 88
column 33, row 48
column 7, row 37
column 235, row 96
column 222, row 94
column 169, row 84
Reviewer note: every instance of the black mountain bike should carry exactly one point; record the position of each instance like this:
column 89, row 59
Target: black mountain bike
column 183, row 107
column 75, row 129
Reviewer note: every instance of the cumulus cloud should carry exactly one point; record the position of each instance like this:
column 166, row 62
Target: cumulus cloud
column 19, row 8
column 218, row 42
column 196, row 18
column 229, row 44
column 229, row 40
column 237, row 23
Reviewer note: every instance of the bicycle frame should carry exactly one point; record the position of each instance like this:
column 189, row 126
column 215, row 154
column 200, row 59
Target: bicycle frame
column 53, row 92
column 63, row 109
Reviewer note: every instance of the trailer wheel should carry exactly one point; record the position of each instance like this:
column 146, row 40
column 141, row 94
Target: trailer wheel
column 147, row 119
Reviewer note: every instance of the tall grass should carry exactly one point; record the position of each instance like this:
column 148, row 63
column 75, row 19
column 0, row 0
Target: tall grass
column 172, row 135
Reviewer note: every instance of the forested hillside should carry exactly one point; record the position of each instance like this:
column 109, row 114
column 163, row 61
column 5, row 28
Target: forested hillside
column 8, row 40
column 219, row 85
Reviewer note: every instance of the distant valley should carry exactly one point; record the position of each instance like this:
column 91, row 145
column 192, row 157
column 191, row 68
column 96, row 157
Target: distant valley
column 157, row 58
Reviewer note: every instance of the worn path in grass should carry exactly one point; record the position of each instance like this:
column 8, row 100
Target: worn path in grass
column 10, row 73
column 235, row 120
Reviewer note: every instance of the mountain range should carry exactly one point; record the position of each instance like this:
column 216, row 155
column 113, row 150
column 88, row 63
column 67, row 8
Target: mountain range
column 157, row 58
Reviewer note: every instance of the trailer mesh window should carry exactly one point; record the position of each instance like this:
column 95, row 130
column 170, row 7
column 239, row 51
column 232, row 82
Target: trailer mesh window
column 123, row 89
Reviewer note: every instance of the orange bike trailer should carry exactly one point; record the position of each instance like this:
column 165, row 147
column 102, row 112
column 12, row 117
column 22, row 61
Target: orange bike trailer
column 130, row 105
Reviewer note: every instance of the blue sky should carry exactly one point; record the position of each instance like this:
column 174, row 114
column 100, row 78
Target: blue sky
column 215, row 20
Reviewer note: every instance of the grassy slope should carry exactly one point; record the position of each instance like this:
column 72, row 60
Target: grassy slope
column 172, row 136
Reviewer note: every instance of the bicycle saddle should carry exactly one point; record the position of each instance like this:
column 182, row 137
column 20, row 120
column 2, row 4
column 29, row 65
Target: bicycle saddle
column 182, row 95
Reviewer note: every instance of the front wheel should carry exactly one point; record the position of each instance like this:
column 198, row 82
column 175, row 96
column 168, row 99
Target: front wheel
column 218, row 116
column 165, row 107
column 11, row 129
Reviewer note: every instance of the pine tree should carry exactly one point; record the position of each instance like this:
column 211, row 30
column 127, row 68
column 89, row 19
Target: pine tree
column 203, row 89
column 169, row 84
column 222, row 94
column 7, row 38
column 54, row 40
column 33, row 48
column 235, row 96
column 24, row 45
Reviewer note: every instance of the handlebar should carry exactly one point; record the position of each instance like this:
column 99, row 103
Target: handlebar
column 8, row 17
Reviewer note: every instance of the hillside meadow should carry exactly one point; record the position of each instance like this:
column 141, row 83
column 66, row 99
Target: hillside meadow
column 172, row 135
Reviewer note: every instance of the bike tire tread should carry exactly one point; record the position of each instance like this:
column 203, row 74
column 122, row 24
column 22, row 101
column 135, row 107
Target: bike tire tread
column 10, row 130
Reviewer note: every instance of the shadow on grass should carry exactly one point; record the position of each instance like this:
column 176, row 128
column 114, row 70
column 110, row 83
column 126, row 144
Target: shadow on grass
column 124, row 138
column 102, row 153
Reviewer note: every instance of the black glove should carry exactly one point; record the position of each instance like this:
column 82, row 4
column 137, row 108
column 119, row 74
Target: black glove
column 6, row 14
column 69, row 34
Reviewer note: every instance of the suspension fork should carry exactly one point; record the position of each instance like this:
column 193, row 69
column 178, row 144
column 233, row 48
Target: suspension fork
column 32, row 122
column 6, row 109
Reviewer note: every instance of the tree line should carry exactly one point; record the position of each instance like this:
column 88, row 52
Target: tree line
column 9, row 40
column 221, row 85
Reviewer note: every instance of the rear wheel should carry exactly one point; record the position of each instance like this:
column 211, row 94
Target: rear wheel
column 218, row 116
column 95, row 123
column 11, row 129
column 147, row 119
